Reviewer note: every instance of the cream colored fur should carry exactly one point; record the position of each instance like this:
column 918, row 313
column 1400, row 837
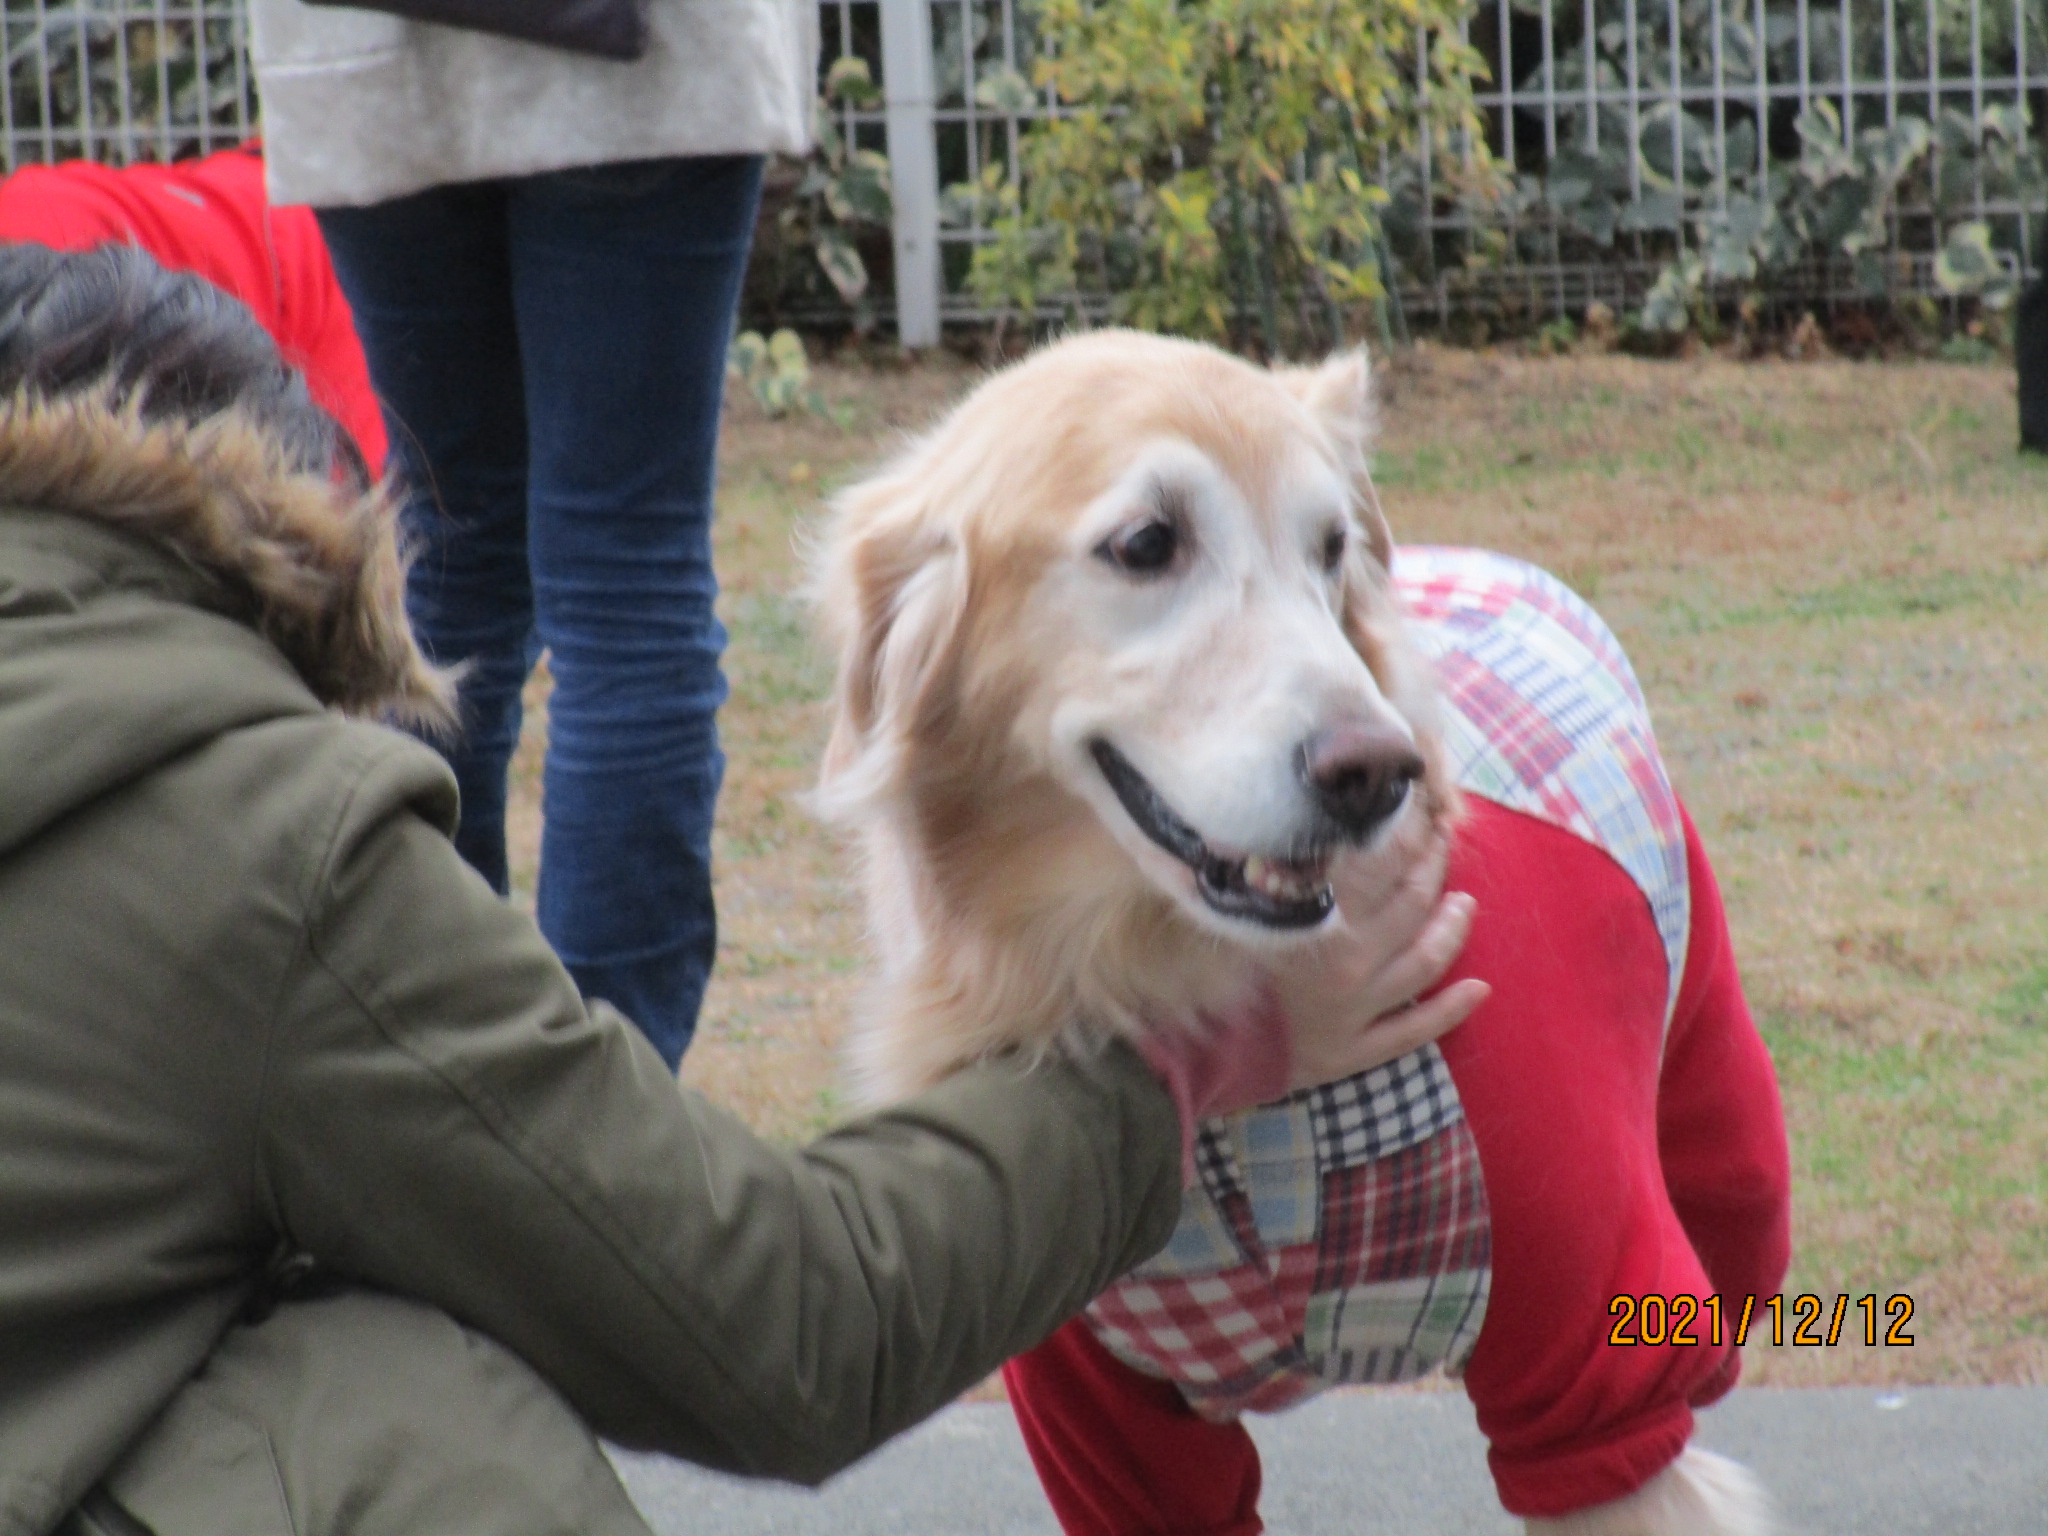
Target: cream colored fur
column 981, row 639
column 1700, row 1494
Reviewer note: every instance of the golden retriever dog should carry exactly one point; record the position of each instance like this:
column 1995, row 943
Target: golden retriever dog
column 1122, row 671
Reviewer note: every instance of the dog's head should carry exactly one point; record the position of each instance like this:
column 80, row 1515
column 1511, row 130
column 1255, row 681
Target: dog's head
column 1121, row 628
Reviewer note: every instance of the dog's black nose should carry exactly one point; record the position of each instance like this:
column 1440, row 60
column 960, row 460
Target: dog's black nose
column 1359, row 774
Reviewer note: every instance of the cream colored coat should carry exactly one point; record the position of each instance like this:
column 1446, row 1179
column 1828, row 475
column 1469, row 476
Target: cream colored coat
column 359, row 106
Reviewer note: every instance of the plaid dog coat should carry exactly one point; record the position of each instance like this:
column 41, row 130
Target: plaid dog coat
column 1342, row 1234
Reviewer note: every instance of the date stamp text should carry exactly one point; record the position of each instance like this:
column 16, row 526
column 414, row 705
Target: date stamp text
column 1658, row 1320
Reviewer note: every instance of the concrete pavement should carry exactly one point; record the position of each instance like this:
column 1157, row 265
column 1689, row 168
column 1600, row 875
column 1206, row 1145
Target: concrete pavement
column 1948, row 1461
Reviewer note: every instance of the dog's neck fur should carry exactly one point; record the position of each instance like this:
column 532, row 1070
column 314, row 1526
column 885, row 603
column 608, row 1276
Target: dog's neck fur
column 984, row 950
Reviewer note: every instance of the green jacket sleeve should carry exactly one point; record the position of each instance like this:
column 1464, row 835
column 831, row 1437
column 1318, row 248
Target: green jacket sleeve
column 443, row 1116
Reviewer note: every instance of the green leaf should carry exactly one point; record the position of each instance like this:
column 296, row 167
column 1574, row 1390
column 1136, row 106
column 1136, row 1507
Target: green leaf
column 786, row 352
column 2008, row 121
column 1599, row 219
column 1967, row 264
column 842, row 264
column 1732, row 237
column 1968, row 349
column 1838, row 212
column 1823, row 156
column 1667, row 308
column 1574, row 176
column 849, row 81
column 1659, row 208
column 860, row 194
column 746, row 356
column 959, row 205
column 1005, row 91
column 1956, row 133
column 1740, row 156
column 831, row 147
column 1888, row 153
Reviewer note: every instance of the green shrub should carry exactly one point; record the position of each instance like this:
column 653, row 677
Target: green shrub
column 818, row 216
column 776, row 371
column 1215, row 166
column 1737, row 218
column 1837, row 202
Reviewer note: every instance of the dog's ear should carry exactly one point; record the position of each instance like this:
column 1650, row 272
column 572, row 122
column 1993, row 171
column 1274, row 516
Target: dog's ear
column 1338, row 391
column 891, row 589
column 1339, row 394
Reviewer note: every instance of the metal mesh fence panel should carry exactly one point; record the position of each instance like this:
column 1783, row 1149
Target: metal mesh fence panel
column 1709, row 95
column 1690, row 101
column 124, row 80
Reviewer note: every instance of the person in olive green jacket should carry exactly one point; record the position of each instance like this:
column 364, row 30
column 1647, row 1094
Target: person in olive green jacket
column 326, row 1204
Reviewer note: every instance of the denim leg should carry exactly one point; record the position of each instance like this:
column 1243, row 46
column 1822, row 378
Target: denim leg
column 430, row 283
column 626, row 279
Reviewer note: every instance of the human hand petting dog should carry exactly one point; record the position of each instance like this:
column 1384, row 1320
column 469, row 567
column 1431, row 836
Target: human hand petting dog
column 1351, row 999
column 1346, row 1005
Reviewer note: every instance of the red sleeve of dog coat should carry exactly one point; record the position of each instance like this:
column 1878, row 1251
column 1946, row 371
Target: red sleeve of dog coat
column 1560, row 1074
column 1720, row 1128
column 1121, row 1454
column 210, row 217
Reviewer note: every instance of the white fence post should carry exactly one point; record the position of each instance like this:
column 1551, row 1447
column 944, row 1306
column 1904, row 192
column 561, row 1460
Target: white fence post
column 913, row 167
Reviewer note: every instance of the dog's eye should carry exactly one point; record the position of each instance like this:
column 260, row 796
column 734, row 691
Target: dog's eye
column 1333, row 548
column 1143, row 550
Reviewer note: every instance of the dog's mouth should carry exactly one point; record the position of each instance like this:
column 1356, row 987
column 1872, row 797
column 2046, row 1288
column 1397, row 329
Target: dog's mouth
column 1274, row 892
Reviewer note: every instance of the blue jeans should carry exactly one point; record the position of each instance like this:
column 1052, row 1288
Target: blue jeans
column 551, row 355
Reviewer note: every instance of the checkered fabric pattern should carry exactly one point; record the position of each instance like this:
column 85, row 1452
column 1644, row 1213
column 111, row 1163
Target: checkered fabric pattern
column 1341, row 1235
column 1542, row 714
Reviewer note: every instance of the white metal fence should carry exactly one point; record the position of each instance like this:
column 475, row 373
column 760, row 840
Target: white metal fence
column 1681, row 104
column 1710, row 95
column 123, row 80
column 1684, row 101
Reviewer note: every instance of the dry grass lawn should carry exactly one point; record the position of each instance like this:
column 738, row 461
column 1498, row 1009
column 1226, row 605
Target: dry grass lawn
column 1833, row 579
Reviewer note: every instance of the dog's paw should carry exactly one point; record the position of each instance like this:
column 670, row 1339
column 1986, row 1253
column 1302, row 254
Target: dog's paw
column 1700, row 1494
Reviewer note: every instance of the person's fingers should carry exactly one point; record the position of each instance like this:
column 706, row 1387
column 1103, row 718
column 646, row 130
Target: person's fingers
column 1392, row 1035
column 1422, row 963
column 1396, row 1034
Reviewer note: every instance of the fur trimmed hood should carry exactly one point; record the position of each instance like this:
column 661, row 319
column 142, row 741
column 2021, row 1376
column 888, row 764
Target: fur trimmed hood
column 314, row 571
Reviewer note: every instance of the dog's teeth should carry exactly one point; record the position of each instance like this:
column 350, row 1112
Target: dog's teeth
column 1278, row 881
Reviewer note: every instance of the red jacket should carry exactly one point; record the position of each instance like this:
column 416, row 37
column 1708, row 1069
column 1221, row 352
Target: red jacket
column 1578, row 1197
column 211, row 217
column 1620, row 1156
